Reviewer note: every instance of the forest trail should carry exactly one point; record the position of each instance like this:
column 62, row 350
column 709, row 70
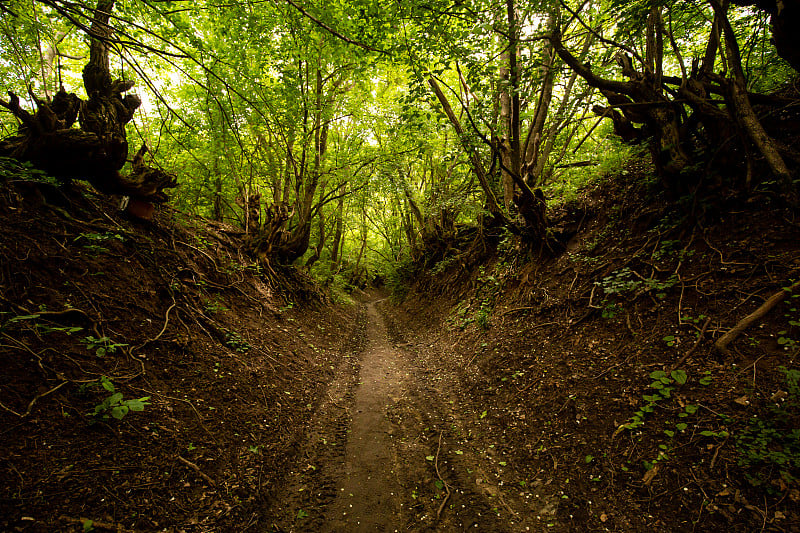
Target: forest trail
column 346, row 477
column 387, row 450
column 369, row 491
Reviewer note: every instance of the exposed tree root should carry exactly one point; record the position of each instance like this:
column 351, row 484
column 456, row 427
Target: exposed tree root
column 722, row 343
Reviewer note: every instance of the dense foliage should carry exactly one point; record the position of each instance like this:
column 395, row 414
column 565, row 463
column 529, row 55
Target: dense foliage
column 351, row 136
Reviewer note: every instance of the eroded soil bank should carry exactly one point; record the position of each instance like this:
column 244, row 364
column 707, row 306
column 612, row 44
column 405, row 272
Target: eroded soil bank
column 99, row 311
column 494, row 398
column 589, row 379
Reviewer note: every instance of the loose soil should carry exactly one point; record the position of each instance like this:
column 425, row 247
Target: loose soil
column 493, row 398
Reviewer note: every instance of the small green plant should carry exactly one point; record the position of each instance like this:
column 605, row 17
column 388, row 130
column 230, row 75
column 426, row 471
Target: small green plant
column 12, row 169
column 786, row 338
column 115, row 406
column 667, row 248
column 622, row 282
column 235, row 341
column 101, row 346
column 663, row 385
column 202, row 242
column 771, row 443
column 214, row 306
column 660, row 286
column 610, row 309
column 692, row 319
column 482, row 317
column 94, row 241
column 670, row 340
column 619, row 282
column 444, row 265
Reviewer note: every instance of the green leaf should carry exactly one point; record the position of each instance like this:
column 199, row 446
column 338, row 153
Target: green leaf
column 669, row 433
column 429, row 458
column 679, row 376
column 138, row 404
column 681, row 426
column 106, row 383
column 658, row 374
column 19, row 318
column 691, row 409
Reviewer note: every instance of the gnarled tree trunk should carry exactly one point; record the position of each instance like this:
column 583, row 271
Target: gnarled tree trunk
column 99, row 149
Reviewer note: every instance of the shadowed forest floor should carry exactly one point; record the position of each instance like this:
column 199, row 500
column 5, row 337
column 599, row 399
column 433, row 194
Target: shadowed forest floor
column 499, row 395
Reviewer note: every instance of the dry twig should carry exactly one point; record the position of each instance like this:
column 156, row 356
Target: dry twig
column 691, row 350
column 197, row 469
column 446, row 487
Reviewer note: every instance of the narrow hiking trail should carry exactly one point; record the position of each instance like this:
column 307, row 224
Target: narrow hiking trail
column 369, row 495
column 388, row 451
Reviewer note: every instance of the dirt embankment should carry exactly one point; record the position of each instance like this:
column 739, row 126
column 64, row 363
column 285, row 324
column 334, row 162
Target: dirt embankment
column 591, row 379
column 154, row 378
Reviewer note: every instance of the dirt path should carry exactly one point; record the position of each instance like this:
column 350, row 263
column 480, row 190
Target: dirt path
column 389, row 449
column 369, row 494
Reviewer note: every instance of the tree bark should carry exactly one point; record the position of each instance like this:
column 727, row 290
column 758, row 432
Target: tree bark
column 533, row 145
column 474, row 158
column 744, row 113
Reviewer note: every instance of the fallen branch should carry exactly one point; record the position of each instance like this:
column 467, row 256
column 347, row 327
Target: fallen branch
column 197, row 469
column 722, row 343
column 446, row 487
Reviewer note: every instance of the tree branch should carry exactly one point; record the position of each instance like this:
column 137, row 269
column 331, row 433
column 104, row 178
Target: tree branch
column 332, row 31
